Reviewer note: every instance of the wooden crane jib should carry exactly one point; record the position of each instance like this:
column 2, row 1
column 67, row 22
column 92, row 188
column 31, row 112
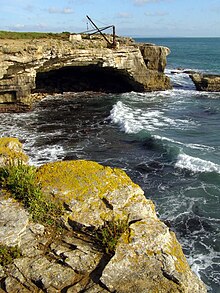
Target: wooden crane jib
column 99, row 30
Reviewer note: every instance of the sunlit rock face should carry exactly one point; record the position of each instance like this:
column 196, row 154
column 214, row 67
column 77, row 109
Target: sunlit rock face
column 56, row 66
column 206, row 82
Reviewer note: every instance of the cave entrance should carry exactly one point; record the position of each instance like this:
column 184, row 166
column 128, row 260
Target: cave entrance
column 85, row 78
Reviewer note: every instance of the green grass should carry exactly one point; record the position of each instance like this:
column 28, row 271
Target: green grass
column 107, row 236
column 20, row 181
column 33, row 35
column 8, row 254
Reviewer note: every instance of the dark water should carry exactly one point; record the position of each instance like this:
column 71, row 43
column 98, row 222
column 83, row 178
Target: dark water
column 168, row 142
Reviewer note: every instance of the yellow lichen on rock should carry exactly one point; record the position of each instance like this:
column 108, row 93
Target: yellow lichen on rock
column 11, row 151
column 147, row 256
column 175, row 249
column 79, row 178
column 94, row 192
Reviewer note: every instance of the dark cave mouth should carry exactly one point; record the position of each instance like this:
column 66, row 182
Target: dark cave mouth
column 85, row 78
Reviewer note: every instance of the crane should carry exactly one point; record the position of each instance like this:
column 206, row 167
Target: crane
column 99, row 30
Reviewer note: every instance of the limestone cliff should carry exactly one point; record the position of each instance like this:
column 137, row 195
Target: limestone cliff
column 147, row 258
column 52, row 65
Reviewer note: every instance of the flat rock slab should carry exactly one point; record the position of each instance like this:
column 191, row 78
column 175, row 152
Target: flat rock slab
column 13, row 222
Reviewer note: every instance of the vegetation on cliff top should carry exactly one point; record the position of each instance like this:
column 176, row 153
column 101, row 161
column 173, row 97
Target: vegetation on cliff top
column 33, row 35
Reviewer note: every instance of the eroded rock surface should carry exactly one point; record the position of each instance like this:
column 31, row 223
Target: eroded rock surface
column 28, row 65
column 206, row 82
column 148, row 257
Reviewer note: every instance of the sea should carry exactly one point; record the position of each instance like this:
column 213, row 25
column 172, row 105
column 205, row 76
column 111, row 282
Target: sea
column 168, row 142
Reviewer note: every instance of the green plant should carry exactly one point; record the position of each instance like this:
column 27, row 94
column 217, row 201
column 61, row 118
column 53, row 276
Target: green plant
column 108, row 235
column 20, row 181
column 8, row 254
column 33, row 35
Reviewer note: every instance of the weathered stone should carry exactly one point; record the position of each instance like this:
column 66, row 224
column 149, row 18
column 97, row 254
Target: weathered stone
column 150, row 260
column 47, row 274
column 154, row 56
column 29, row 242
column 79, row 255
column 206, row 82
column 86, row 285
column 91, row 198
column 11, row 151
column 80, row 261
column 13, row 222
column 13, row 286
column 23, row 62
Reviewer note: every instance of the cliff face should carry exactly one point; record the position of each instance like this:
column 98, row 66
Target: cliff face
column 55, row 65
column 147, row 256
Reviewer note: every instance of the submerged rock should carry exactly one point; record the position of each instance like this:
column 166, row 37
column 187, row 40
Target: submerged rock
column 147, row 257
column 206, row 82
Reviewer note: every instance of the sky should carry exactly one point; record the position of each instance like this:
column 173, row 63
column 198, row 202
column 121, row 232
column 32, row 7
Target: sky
column 136, row 18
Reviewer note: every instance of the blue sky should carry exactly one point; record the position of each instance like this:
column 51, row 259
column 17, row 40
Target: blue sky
column 147, row 18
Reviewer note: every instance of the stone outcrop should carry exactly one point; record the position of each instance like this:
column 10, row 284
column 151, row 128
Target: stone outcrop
column 148, row 257
column 11, row 151
column 206, row 82
column 56, row 66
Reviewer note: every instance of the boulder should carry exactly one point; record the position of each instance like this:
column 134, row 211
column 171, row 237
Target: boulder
column 206, row 82
column 11, row 151
column 155, row 57
column 151, row 261
column 94, row 193
column 148, row 257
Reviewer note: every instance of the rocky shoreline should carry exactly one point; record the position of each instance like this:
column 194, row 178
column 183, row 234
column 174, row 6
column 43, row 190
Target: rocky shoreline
column 206, row 82
column 57, row 66
column 147, row 256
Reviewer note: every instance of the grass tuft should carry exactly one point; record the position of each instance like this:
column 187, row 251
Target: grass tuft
column 20, row 181
column 108, row 235
column 8, row 254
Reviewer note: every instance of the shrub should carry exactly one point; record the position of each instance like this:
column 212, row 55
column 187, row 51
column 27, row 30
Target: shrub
column 108, row 235
column 8, row 254
column 20, row 181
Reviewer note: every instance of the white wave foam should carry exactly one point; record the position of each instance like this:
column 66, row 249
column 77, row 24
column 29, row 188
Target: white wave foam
column 196, row 164
column 45, row 155
column 199, row 146
column 133, row 119
column 190, row 145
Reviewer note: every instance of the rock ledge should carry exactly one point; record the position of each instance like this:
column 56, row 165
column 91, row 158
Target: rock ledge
column 148, row 257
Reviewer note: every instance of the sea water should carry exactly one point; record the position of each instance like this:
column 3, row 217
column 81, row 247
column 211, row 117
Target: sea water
column 168, row 142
